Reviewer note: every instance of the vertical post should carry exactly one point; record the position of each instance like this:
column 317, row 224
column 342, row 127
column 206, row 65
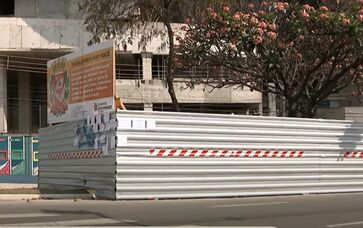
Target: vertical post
column 40, row 115
column 25, row 104
column 146, row 65
column 148, row 107
column 3, row 101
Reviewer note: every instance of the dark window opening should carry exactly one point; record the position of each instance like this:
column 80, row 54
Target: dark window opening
column 7, row 8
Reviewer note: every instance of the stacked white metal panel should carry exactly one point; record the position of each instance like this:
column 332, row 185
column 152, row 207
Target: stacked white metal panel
column 184, row 155
column 79, row 155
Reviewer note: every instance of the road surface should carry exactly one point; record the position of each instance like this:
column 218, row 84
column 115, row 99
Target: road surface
column 334, row 210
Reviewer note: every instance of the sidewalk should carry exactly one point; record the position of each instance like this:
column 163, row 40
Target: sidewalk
column 10, row 191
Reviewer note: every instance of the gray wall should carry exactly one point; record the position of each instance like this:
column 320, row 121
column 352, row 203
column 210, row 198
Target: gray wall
column 61, row 9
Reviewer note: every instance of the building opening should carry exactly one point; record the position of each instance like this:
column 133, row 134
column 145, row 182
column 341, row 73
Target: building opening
column 7, row 8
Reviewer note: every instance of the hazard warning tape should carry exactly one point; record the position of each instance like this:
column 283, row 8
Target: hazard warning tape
column 353, row 154
column 225, row 153
column 75, row 155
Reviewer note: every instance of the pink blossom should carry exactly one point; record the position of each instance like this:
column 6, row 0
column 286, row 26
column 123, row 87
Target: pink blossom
column 226, row 9
column 259, row 31
column 264, row 3
column 324, row 8
column 304, row 14
column 262, row 25
column 272, row 35
column 346, row 21
column 261, row 12
column 301, row 37
column 360, row 17
column 323, row 16
column 258, row 39
column 224, row 29
column 360, row 12
column 286, row 5
column 254, row 21
column 279, row 6
column 213, row 15
column 251, row 6
column 307, row 7
column 272, row 27
column 281, row 45
column 236, row 17
column 245, row 17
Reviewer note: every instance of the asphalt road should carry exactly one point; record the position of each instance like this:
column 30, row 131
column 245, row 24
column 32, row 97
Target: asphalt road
column 309, row 211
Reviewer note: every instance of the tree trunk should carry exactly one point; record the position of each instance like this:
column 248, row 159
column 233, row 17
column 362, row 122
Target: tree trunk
column 291, row 108
column 169, row 76
column 308, row 112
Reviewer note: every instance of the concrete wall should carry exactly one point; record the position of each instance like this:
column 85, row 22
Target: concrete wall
column 30, row 33
column 331, row 113
column 354, row 113
column 62, row 9
column 154, row 91
column 34, row 33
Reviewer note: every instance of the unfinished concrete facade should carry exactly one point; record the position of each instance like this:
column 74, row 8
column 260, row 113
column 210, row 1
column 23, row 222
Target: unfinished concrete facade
column 35, row 31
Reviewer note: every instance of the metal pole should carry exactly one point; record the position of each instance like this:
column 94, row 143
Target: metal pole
column 40, row 115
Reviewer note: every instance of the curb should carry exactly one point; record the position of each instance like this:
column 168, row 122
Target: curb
column 5, row 186
column 19, row 196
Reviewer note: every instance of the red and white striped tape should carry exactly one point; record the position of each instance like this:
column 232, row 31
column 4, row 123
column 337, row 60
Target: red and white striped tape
column 225, row 153
column 353, row 154
column 75, row 155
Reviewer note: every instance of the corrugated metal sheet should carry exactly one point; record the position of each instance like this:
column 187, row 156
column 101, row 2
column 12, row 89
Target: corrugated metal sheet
column 78, row 155
column 185, row 155
column 182, row 155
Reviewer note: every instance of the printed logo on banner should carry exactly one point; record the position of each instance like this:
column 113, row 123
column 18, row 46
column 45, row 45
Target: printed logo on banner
column 59, row 87
column 100, row 107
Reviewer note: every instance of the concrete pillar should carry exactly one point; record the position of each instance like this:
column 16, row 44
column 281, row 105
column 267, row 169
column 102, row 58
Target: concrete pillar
column 147, row 65
column 272, row 103
column 3, row 101
column 148, row 107
column 25, row 104
column 260, row 109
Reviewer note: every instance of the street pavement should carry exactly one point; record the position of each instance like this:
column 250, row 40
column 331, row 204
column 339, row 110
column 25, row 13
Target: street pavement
column 306, row 211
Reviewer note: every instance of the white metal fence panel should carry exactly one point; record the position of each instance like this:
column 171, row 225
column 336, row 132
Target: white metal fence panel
column 79, row 155
column 185, row 155
column 182, row 155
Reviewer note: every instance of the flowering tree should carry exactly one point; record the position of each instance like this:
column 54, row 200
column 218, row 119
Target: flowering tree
column 296, row 51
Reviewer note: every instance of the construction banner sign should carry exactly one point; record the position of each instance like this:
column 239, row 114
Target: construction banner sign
column 82, row 83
